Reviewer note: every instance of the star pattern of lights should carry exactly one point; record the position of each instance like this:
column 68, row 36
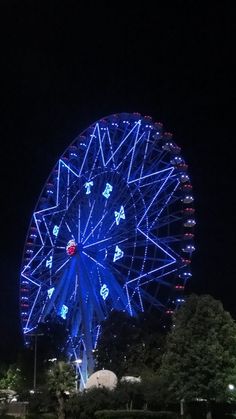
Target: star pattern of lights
column 113, row 229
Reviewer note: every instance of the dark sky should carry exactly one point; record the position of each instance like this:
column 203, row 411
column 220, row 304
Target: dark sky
column 66, row 64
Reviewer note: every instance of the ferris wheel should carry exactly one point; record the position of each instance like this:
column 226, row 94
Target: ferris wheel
column 112, row 230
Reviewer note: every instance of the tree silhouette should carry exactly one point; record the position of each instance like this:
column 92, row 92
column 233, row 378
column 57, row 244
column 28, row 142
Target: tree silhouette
column 200, row 357
column 61, row 381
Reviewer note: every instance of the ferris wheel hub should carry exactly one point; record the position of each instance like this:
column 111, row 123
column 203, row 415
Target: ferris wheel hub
column 71, row 248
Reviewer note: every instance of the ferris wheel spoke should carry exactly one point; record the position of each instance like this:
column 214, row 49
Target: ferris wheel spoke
column 94, row 260
column 150, row 273
column 111, row 148
column 62, row 266
column 164, row 206
column 98, row 242
column 133, row 129
column 144, row 157
column 133, row 151
column 96, row 226
column 168, row 220
column 30, row 279
column 124, row 159
column 149, row 298
column 104, row 211
column 125, row 206
column 112, row 245
column 79, row 227
column 34, row 258
column 100, row 143
column 147, row 259
column 88, row 220
column 120, row 265
column 155, row 196
column 44, row 259
column 87, row 150
column 157, row 245
column 94, row 164
column 158, row 278
column 68, row 227
column 32, row 308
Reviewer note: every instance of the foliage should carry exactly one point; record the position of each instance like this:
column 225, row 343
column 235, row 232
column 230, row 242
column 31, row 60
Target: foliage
column 61, row 377
column 125, row 396
column 25, row 363
column 41, row 402
column 129, row 396
column 154, row 392
column 3, row 409
column 86, row 403
column 130, row 345
column 118, row 330
column 21, row 374
column 52, row 342
column 61, row 380
column 201, row 352
column 41, row 416
column 10, row 378
column 18, row 376
column 142, row 414
column 73, row 406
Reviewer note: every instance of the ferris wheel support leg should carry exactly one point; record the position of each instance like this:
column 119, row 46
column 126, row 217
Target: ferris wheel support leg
column 88, row 362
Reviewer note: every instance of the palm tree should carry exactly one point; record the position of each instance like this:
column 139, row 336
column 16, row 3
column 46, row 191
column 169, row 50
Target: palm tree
column 61, row 380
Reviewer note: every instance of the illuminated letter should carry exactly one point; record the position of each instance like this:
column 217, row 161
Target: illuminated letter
column 49, row 263
column 50, row 292
column 55, row 230
column 104, row 291
column 119, row 215
column 64, row 311
column 118, row 254
column 88, row 187
column 108, row 190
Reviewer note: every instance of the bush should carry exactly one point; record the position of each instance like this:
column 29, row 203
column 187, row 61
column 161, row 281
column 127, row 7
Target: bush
column 223, row 410
column 127, row 414
column 40, row 416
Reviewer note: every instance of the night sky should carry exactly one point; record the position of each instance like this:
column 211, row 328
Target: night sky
column 66, row 64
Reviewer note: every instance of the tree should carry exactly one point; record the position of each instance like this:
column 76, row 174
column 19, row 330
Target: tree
column 118, row 331
column 92, row 400
column 130, row 345
column 10, row 378
column 61, row 381
column 53, row 340
column 130, row 395
column 200, row 357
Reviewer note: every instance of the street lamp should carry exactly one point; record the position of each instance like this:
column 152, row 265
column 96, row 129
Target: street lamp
column 35, row 356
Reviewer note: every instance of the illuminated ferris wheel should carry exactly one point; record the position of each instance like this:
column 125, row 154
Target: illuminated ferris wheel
column 112, row 230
